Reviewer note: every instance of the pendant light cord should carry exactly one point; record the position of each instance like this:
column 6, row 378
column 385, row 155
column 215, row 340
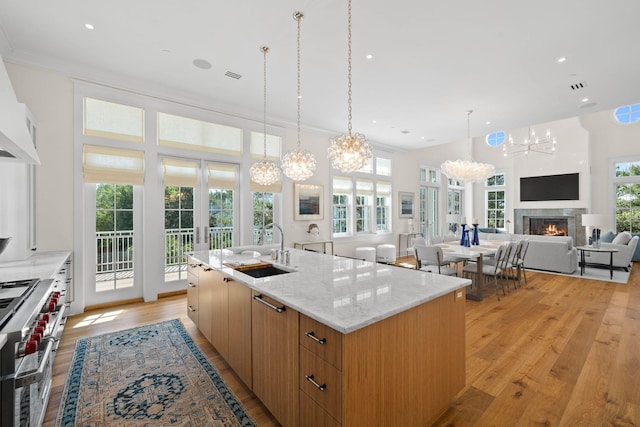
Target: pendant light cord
column 298, row 16
column 469, row 134
column 349, row 65
column 265, row 49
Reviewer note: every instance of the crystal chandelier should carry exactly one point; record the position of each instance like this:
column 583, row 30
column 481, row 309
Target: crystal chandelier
column 349, row 152
column 298, row 164
column 264, row 172
column 467, row 170
column 544, row 145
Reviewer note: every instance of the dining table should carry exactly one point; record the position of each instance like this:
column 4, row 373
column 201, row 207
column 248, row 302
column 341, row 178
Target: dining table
column 473, row 253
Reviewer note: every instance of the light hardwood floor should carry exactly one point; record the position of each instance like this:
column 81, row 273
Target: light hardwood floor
column 559, row 351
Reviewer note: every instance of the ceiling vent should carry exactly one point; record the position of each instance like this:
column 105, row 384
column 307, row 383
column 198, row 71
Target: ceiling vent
column 233, row 75
column 578, row 86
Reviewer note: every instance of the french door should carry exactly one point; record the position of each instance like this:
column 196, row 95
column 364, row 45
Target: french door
column 200, row 210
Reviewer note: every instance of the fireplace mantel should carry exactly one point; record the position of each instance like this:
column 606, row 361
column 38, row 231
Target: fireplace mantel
column 574, row 216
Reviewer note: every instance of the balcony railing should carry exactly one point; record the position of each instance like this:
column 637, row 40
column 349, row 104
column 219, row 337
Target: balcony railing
column 115, row 249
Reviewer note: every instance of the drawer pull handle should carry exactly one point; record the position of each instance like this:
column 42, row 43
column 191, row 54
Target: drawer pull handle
column 191, row 285
column 191, row 308
column 271, row 306
column 313, row 337
column 321, row 387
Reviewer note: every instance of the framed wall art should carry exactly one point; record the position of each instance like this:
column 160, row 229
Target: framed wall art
column 307, row 202
column 406, row 204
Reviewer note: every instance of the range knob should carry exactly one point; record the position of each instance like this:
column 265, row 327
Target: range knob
column 36, row 337
column 52, row 306
column 31, row 347
column 39, row 330
column 42, row 324
column 45, row 317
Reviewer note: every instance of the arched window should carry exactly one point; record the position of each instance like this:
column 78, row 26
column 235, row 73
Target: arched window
column 495, row 139
column 627, row 114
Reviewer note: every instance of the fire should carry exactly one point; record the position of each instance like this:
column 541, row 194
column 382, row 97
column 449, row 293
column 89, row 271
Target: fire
column 553, row 230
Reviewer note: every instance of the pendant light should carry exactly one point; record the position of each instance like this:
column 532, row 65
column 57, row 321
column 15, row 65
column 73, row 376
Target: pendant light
column 264, row 172
column 349, row 152
column 298, row 164
column 467, row 170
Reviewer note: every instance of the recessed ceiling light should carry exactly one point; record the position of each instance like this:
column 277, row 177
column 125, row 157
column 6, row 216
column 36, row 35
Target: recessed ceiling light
column 369, row 56
column 561, row 59
column 585, row 99
column 405, row 131
column 89, row 26
column 422, row 137
column 487, row 122
column 374, row 121
column 165, row 51
column 203, row 64
column 431, row 140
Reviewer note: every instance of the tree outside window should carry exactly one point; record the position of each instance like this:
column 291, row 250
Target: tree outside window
column 495, row 196
column 628, row 197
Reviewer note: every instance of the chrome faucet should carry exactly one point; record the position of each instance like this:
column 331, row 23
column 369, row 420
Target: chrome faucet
column 273, row 224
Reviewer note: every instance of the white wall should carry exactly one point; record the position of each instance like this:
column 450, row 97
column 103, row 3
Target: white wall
column 586, row 145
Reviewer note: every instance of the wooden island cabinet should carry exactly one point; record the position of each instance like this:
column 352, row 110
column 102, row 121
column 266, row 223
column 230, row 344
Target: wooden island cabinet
column 400, row 369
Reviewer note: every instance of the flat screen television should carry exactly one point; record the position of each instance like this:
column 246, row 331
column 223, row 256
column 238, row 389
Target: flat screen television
column 550, row 187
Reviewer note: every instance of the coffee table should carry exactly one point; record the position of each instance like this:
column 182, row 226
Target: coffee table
column 583, row 249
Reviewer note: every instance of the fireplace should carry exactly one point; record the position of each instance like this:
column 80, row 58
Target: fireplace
column 551, row 222
column 549, row 226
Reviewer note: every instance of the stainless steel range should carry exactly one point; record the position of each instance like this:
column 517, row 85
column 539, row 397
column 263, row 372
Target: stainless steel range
column 32, row 315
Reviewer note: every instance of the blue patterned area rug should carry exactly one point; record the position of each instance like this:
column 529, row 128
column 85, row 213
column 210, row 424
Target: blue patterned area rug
column 152, row 375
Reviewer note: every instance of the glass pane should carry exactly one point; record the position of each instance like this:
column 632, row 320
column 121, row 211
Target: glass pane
column 104, row 221
column 171, row 219
column 500, row 180
column 114, row 121
column 186, row 219
column 124, row 197
column 104, row 196
column 171, row 197
column 383, row 166
column 124, row 220
column 628, row 169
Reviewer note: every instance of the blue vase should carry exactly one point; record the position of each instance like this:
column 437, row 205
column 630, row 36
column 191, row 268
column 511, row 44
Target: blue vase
column 467, row 243
column 464, row 232
column 476, row 240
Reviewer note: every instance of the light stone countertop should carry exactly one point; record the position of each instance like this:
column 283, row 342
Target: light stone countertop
column 40, row 265
column 343, row 293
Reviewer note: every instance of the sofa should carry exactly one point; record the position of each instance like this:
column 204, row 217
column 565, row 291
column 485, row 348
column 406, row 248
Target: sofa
column 625, row 243
column 549, row 253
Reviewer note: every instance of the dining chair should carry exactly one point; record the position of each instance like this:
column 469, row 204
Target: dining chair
column 496, row 271
column 520, row 260
column 415, row 241
column 446, row 259
column 430, row 258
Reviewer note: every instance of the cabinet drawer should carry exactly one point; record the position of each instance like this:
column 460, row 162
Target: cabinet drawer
column 321, row 340
column 327, row 390
column 312, row 415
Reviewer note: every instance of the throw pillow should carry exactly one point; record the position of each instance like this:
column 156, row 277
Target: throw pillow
column 607, row 237
column 622, row 238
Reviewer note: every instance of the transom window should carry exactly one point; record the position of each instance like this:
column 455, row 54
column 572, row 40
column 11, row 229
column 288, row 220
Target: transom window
column 627, row 114
column 495, row 139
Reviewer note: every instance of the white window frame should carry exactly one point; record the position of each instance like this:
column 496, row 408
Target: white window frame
column 495, row 188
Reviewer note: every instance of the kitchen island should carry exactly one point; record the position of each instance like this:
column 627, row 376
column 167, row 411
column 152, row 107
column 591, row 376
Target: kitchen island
column 334, row 341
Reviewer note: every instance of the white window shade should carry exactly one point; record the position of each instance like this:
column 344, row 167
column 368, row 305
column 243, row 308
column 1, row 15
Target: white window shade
column 274, row 146
column 113, row 165
column 364, row 187
column 180, row 173
column 383, row 166
column 192, row 134
column 223, row 176
column 342, row 185
column 276, row 187
column 110, row 120
column 383, row 189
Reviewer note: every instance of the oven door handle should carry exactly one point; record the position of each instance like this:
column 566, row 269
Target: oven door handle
column 35, row 376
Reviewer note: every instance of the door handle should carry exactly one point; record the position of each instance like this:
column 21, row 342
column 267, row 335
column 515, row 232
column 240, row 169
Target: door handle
column 206, row 234
column 197, row 234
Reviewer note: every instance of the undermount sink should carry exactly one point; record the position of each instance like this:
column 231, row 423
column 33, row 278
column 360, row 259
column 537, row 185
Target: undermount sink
column 264, row 272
